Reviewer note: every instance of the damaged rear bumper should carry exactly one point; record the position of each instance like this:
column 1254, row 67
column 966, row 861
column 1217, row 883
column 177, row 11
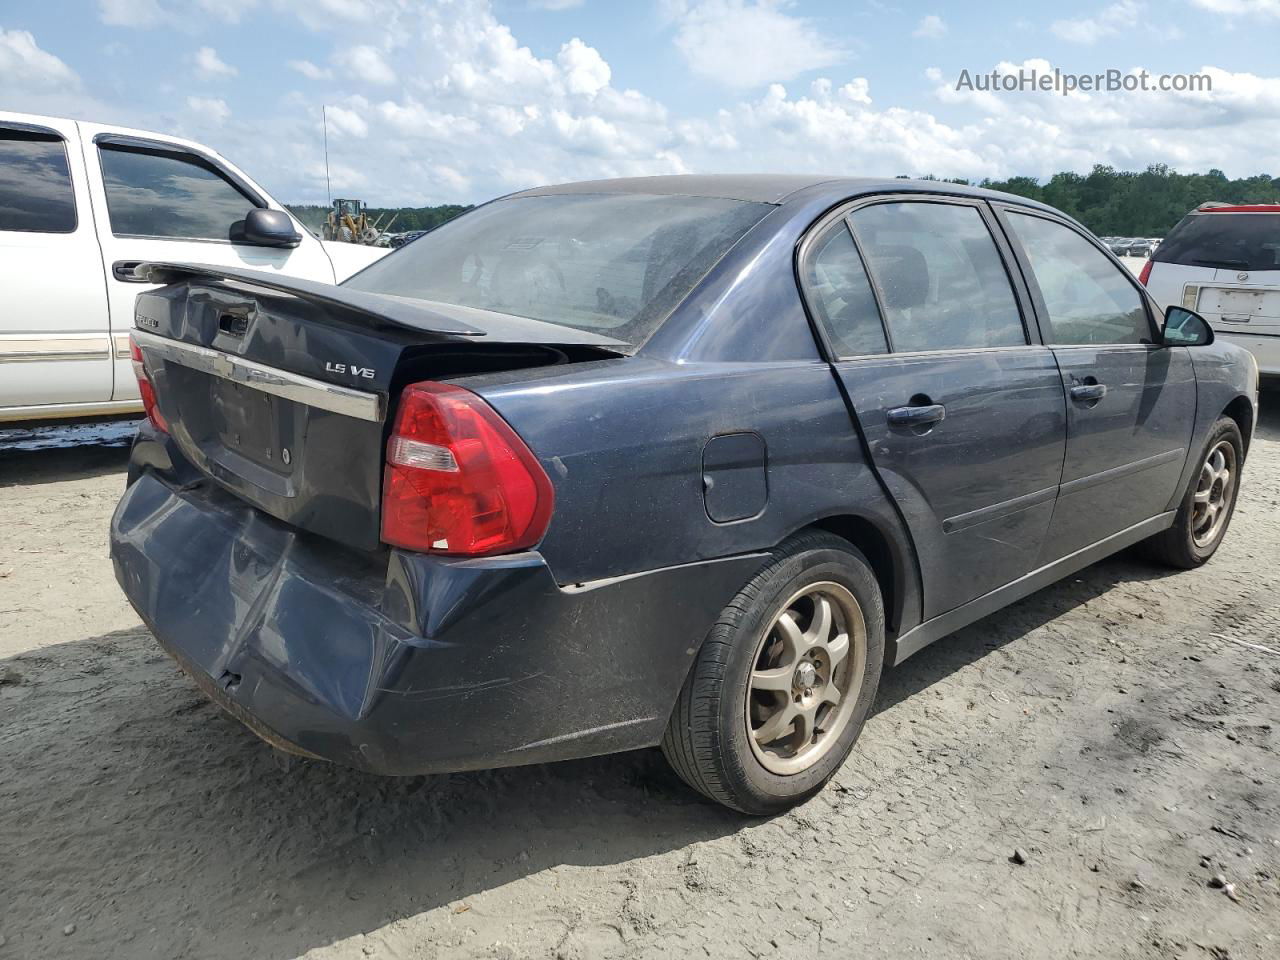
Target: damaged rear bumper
column 401, row 663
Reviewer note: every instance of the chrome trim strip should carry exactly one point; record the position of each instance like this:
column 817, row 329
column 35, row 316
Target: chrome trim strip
column 69, row 411
column 963, row 521
column 1108, row 347
column 944, row 352
column 121, row 341
column 25, row 349
column 280, row 383
column 1115, row 473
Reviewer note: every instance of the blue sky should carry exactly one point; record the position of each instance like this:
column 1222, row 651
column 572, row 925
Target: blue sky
column 457, row 101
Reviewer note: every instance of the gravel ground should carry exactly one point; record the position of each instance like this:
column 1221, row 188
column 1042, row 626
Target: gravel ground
column 1117, row 728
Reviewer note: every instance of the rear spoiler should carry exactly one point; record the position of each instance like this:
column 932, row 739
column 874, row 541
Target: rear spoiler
column 397, row 312
column 444, row 319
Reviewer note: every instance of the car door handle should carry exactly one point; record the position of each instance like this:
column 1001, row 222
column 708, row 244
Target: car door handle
column 917, row 416
column 1085, row 392
column 123, row 270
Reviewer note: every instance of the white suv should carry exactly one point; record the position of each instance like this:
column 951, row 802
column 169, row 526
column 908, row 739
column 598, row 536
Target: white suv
column 1223, row 261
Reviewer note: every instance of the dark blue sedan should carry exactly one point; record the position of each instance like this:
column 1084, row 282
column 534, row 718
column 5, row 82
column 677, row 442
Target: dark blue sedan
column 681, row 460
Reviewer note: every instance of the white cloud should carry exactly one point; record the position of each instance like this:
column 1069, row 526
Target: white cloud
column 1262, row 8
column 748, row 43
column 310, row 70
column 584, row 69
column 464, row 110
column 325, row 14
column 412, row 119
column 130, row 13
column 24, row 67
column 556, row 4
column 1121, row 16
column 457, row 181
column 932, row 27
column 209, row 110
column 179, row 13
column 1038, row 133
column 347, row 121
column 209, row 65
column 229, row 11
column 366, row 62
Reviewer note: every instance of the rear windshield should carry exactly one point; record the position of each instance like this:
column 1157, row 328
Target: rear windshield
column 1234, row 241
column 614, row 264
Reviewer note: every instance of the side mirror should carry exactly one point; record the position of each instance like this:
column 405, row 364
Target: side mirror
column 1186, row 328
column 266, row 228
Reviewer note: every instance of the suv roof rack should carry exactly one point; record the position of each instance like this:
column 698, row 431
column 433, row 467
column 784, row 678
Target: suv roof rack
column 1218, row 206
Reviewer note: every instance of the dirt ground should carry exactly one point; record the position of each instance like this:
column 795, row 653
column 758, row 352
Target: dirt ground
column 1117, row 727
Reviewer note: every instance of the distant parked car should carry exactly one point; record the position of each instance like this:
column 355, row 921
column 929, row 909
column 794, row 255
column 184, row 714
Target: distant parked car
column 81, row 204
column 676, row 460
column 1223, row 260
column 400, row 239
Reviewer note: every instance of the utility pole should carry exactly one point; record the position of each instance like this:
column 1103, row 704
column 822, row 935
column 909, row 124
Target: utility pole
column 324, row 118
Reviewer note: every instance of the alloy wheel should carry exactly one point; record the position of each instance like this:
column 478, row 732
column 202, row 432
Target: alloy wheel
column 1214, row 491
column 805, row 678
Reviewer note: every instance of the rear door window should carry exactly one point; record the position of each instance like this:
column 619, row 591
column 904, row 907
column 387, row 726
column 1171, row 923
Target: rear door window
column 840, row 295
column 1088, row 297
column 35, row 183
column 172, row 195
column 1231, row 241
column 940, row 277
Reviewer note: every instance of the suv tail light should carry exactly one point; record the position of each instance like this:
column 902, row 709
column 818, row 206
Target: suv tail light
column 459, row 480
column 1145, row 275
column 145, row 387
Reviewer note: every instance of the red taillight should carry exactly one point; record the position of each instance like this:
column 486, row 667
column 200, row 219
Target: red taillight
column 147, row 391
column 459, row 480
column 1145, row 275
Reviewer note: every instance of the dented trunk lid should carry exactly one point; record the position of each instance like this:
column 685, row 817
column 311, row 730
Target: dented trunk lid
column 280, row 390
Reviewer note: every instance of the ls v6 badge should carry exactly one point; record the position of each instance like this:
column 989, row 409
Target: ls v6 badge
column 366, row 372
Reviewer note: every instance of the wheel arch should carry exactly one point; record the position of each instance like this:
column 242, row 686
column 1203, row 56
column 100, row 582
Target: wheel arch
column 891, row 562
column 1241, row 411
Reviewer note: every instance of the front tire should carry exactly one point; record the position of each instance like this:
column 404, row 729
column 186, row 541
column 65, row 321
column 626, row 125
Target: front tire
column 784, row 681
column 1207, row 507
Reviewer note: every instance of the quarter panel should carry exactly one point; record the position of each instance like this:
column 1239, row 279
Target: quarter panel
column 624, row 449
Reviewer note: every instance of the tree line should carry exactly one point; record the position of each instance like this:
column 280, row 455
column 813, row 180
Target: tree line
column 1124, row 203
column 1108, row 201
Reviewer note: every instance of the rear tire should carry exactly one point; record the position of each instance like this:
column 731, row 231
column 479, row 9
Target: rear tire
column 775, row 663
column 1207, row 506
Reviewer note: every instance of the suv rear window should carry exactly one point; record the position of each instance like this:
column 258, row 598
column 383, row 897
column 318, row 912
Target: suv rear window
column 1234, row 241
column 614, row 264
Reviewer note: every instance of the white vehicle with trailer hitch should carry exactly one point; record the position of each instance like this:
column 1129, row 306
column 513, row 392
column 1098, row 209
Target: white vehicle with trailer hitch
column 1223, row 261
column 81, row 204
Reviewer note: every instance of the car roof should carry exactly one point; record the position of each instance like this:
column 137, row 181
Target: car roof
column 772, row 188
